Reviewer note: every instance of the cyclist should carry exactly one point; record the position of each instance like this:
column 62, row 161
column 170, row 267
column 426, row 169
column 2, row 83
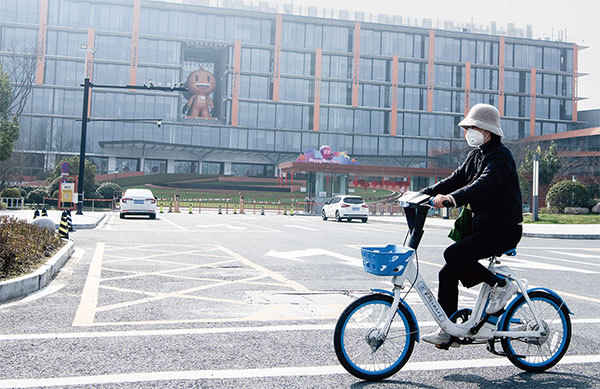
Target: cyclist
column 487, row 181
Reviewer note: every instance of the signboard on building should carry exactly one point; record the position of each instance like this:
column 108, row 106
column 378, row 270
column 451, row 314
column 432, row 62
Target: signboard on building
column 326, row 155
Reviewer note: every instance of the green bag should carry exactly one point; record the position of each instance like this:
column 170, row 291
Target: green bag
column 463, row 226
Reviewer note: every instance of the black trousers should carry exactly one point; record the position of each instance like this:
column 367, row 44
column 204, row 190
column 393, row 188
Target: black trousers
column 462, row 261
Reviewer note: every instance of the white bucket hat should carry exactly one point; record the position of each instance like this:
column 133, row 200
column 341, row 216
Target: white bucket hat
column 483, row 116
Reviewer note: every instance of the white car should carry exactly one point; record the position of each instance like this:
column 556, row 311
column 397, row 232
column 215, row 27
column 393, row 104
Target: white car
column 138, row 202
column 346, row 207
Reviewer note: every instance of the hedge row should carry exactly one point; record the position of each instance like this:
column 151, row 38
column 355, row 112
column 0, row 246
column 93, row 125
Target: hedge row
column 24, row 246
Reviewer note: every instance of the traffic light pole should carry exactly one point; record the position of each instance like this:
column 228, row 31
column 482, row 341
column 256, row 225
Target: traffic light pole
column 87, row 86
column 84, row 121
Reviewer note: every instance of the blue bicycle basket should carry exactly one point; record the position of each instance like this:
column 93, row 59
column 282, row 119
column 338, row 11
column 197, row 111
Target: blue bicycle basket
column 390, row 260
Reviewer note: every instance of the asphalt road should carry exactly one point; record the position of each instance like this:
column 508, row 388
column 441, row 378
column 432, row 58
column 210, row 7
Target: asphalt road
column 249, row 301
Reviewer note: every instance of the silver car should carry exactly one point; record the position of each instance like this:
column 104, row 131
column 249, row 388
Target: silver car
column 346, row 207
column 138, row 202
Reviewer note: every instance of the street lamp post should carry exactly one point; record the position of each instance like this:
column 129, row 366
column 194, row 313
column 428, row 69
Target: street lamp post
column 84, row 120
column 536, row 184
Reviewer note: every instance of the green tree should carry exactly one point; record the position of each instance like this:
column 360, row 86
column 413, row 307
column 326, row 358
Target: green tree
column 9, row 125
column 549, row 165
column 89, row 181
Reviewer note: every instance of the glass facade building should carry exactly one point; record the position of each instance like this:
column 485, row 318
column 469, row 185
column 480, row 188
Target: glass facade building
column 386, row 94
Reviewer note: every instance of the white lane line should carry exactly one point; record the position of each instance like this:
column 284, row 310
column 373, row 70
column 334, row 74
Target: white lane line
column 300, row 227
column 176, row 225
column 255, row 227
column 207, row 331
column 575, row 254
column 559, row 259
column 89, row 297
column 287, row 371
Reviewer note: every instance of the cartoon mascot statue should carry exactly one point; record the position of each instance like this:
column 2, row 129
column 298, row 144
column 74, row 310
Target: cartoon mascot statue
column 200, row 84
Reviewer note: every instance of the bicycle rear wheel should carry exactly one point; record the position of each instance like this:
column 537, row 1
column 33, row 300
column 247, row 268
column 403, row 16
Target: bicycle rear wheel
column 531, row 353
column 358, row 347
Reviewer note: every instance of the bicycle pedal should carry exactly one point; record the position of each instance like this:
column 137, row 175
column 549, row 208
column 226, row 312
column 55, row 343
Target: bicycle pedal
column 446, row 346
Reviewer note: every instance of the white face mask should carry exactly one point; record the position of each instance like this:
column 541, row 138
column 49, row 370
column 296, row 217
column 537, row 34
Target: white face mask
column 474, row 138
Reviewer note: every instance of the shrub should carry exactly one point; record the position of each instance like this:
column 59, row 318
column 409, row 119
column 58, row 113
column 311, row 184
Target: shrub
column 55, row 194
column 24, row 246
column 23, row 192
column 568, row 194
column 37, row 196
column 2, row 205
column 108, row 189
column 11, row 192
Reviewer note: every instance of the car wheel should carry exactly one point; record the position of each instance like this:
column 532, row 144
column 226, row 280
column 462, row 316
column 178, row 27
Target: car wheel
column 122, row 216
column 152, row 216
column 364, row 219
column 337, row 216
column 323, row 215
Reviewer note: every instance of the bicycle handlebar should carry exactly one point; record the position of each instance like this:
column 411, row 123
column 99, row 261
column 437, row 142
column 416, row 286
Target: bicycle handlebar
column 445, row 203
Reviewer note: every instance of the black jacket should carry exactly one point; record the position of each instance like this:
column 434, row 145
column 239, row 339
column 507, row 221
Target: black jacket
column 488, row 181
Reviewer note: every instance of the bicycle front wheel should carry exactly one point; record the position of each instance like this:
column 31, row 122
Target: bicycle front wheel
column 537, row 354
column 362, row 349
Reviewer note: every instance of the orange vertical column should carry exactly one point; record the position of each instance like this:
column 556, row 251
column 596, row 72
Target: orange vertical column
column 317, row 106
column 235, row 87
column 430, row 71
column 501, row 50
column 277, row 57
column 394, row 91
column 467, row 87
column 41, row 46
column 135, row 36
column 575, row 81
column 356, row 64
column 532, row 95
column 89, row 61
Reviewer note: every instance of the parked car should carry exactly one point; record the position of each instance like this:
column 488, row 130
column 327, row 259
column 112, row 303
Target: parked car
column 346, row 207
column 138, row 202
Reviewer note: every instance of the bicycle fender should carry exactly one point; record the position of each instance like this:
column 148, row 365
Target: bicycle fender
column 408, row 308
column 514, row 300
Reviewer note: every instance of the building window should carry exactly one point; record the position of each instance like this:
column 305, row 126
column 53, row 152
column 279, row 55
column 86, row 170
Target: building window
column 252, row 170
column 125, row 165
column 155, row 166
column 101, row 164
column 212, row 167
column 186, row 167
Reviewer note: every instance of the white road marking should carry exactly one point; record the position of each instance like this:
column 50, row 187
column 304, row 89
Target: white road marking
column 300, row 227
column 89, row 297
column 221, row 225
column 576, row 254
column 176, row 225
column 288, row 371
column 50, row 289
column 208, row 331
column 295, row 255
column 559, row 259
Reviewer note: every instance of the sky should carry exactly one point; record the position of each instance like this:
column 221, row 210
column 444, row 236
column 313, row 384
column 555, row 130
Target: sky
column 578, row 17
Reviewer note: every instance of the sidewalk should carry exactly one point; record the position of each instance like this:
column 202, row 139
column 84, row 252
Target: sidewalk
column 553, row 231
column 88, row 220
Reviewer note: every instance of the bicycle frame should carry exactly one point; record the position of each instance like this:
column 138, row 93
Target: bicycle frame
column 412, row 276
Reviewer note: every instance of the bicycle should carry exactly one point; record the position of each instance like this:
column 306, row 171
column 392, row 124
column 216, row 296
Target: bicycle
column 375, row 335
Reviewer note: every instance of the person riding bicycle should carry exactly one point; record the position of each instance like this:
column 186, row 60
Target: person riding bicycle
column 487, row 181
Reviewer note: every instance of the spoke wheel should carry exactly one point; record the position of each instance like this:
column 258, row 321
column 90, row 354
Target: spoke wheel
column 362, row 349
column 537, row 354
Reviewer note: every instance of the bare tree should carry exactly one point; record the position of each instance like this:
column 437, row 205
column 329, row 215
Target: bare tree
column 20, row 68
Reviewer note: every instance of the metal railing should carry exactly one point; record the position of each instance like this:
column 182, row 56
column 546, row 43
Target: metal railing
column 13, row 202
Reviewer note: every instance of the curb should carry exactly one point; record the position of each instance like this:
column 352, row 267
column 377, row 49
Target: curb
column 88, row 226
column 561, row 236
column 24, row 285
